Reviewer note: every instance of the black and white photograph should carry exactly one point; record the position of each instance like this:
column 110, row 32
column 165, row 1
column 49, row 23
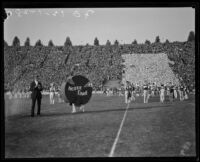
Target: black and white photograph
column 82, row 82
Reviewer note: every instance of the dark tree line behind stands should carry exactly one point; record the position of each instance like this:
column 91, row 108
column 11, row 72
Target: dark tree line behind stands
column 97, row 62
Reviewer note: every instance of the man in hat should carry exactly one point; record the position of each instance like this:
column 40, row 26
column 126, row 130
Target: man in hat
column 36, row 88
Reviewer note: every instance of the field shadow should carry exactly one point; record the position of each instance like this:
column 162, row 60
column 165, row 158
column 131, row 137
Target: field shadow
column 133, row 106
column 87, row 112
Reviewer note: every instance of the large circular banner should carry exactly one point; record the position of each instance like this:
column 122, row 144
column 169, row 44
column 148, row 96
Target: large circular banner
column 63, row 95
column 77, row 90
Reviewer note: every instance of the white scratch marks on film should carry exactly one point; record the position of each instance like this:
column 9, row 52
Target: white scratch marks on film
column 185, row 148
column 76, row 13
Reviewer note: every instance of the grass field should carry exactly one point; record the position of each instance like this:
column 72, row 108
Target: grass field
column 149, row 130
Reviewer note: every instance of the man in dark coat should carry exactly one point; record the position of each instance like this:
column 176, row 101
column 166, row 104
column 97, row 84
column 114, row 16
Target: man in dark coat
column 36, row 88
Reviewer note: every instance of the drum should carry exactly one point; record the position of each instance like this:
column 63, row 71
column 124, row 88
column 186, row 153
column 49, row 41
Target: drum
column 62, row 94
column 77, row 91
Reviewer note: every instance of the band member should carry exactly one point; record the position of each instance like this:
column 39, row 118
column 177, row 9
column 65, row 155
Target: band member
column 127, row 92
column 175, row 92
column 120, row 92
column 168, row 89
column 81, row 108
column 126, row 95
column 186, row 91
column 9, row 95
column 149, row 92
column 132, row 92
column 70, row 81
column 76, row 100
column 59, row 96
column 108, row 92
column 145, row 93
column 36, row 88
column 181, row 92
column 171, row 93
column 52, row 93
column 15, row 93
column 162, row 93
column 19, row 92
column 137, row 90
column 156, row 92
column 104, row 91
column 152, row 90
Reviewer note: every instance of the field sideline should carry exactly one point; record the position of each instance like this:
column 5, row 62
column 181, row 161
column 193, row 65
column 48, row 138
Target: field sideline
column 149, row 130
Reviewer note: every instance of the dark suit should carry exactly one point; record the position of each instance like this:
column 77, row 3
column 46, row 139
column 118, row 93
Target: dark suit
column 36, row 95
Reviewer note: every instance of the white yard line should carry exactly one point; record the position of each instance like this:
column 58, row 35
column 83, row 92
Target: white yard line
column 118, row 133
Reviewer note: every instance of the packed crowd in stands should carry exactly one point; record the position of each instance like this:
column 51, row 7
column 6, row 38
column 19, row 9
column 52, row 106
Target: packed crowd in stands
column 97, row 63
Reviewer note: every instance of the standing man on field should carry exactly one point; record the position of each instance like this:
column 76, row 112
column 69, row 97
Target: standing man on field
column 36, row 88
